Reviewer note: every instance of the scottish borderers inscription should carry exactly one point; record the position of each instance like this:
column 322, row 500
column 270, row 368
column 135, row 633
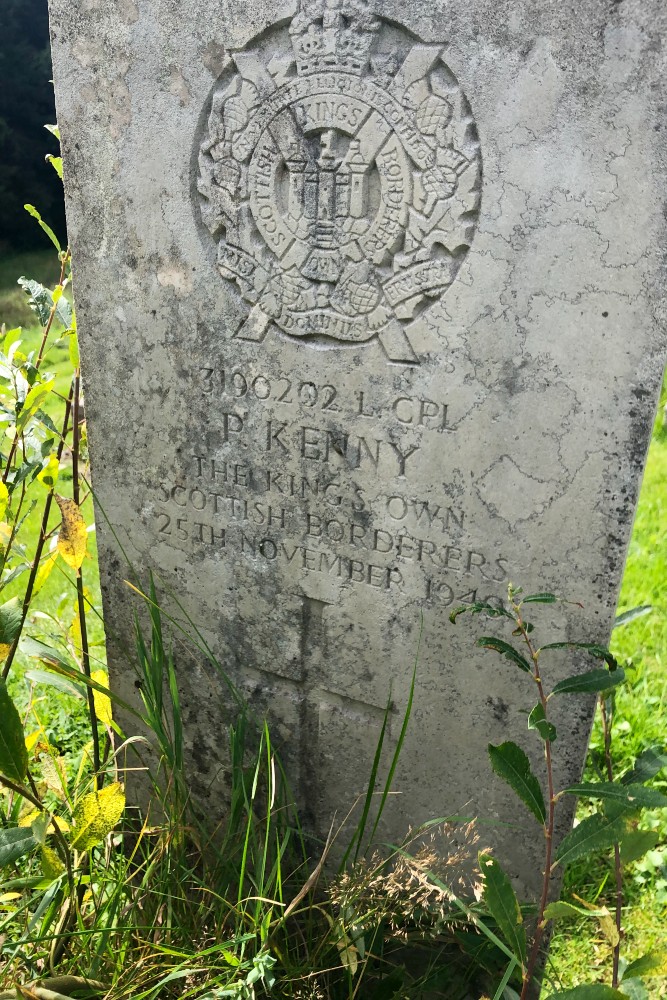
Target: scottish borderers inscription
column 340, row 177
column 339, row 382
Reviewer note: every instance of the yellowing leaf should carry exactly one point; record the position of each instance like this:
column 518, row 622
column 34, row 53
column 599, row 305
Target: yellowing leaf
column 29, row 818
column 49, row 475
column 74, row 349
column 73, row 536
column 54, row 773
column 44, row 572
column 608, row 928
column 8, row 897
column 75, row 633
column 102, row 701
column 63, row 826
column 52, row 866
column 31, row 740
column 96, row 815
column 56, row 293
column 5, row 533
column 4, row 499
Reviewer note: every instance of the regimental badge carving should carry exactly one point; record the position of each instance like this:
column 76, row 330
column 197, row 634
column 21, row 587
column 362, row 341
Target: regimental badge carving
column 340, row 177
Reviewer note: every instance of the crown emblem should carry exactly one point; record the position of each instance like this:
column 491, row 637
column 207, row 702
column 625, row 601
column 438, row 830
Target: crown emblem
column 333, row 35
column 340, row 179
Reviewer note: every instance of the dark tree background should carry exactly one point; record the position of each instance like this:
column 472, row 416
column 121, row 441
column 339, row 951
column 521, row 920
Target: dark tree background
column 26, row 105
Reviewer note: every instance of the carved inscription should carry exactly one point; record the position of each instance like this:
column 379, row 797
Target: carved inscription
column 340, row 178
column 288, row 485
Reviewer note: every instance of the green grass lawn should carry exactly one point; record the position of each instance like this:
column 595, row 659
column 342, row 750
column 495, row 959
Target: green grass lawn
column 641, row 720
column 43, row 266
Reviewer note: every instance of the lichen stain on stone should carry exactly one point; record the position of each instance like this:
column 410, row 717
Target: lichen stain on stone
column 120, row 10
column 172, row 276
column 129, row 11
column 87, row 53
column 177, row 86
column 111, row 90
column 213, row 57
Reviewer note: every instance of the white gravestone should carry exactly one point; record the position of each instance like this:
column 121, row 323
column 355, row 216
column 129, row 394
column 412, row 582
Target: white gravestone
column 370, row 310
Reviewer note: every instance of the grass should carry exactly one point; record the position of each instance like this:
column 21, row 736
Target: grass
column 40, row 265
column 579, row 950
column 641, row 721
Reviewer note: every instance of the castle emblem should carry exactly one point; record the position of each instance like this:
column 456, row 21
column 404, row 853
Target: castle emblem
column 340, row 178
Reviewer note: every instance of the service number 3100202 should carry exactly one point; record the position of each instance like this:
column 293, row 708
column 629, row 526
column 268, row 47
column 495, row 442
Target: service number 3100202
column 280, row 390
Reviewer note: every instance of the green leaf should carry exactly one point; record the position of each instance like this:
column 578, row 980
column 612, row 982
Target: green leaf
column 593, row 991
column 636, row 843
column 13, row 753
column 512, row 765
column 14, row 843
column 64, row 312
column 49, row 475
column 634, row 989
column 42, row 302
column 592, row 682
column 654, row 963
column 60, row 665
column 40, row 827
column 538, row 720
column 595, row 833
column 56, row 162
column 503, row 905
column 56, row 681
column 39, row 298
column 629, row 616
column 31, row 210
column 636, row 796
column 492, row 610
column 599, row 652
column 561, row 909
column 542, row 598
column 54, row 130
column 506, row 650
column 96, row 815
column 649, row 763
column 11, row 619
column 40, row 650
column 32, row 403
column 74, row 350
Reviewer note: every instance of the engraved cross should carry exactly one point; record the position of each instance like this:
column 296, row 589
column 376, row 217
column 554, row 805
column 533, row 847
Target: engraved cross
column 313, row 699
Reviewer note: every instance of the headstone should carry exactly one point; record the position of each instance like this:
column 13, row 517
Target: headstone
column 371, row 324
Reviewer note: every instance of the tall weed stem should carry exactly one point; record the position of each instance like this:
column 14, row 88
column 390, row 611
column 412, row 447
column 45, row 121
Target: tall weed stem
column 81, row 601
column 43, row 533
column 529, row 970
column 618, row 867
column 64, row 260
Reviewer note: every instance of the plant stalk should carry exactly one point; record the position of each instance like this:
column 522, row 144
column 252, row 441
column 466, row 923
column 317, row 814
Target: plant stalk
column 40, row 355
column 34, row 799
column 81, row 601
column 529, row 971
column 43, row 533
column 618, row 868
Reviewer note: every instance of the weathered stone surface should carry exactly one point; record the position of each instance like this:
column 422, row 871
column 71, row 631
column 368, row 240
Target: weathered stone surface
column 370, row 309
